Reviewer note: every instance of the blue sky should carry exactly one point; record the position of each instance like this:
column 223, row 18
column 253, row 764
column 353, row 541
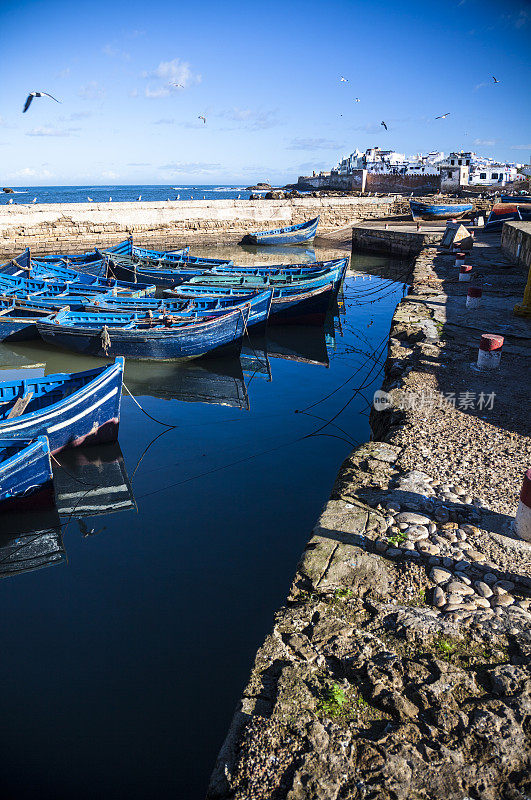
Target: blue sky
column 267, row 79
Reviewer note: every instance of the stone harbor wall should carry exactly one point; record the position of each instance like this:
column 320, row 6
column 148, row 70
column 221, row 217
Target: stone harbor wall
column 397, row 242
column 516, row 241
column 76, row 227
column 398, row 668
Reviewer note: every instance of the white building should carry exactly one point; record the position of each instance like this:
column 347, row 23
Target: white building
column 468, row 169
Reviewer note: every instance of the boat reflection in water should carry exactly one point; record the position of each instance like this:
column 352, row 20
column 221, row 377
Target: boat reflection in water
column 88, row 481
column 306, row 344
column 290, row 254
column 30, row 541
column 92, row 480
column 213, row 381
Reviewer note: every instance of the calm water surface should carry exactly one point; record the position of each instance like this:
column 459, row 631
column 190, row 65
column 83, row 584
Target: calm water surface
column 123, row 659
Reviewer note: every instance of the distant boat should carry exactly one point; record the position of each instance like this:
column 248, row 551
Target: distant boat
column 126, row 335
column 25, row 474
column 69, row 408
column 508, row 212
column 438, row 211
column 292, row 234
column 515, row 198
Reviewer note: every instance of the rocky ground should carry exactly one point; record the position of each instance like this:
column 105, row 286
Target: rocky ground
column 399, row 667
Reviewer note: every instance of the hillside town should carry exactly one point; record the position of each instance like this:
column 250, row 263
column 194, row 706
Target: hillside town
column 383, row 170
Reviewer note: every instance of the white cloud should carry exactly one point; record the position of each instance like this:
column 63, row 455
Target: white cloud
column 91, row 90
column 196, row 167
column 29, row 172
column 521, row 147
column 110, row 175
column 164, row 121
column 44, row 131
column 485, row 142
column 168, row 73
column 250, row 119
column 314, row 144
column 114, row 52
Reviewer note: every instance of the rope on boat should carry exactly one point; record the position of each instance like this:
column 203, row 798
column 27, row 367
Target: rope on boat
column 143, row 410
column 105, row 340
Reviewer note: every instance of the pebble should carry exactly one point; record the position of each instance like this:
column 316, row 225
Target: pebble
column 507, row 585
column 428, row 549
column 380, row 546
column 460, row 588
column 462, row 565
column 463, row 578
column 475, row 555
column 504, row 600
column 432, row 527
column 439, row 597
column 469, row 606
column 417, row 532
column 455, row 599
column 442, row 515
column 470, row 529
column 468, row 499
column 411, row 518
column 448, row 562
column 460, row 534
column 440, row 575
column 457, row 554
column 458, row 490
column 483, row 589
column 393, row 552
column 490, row 578
column 408, row 545
column 498, row 590
column 403, row 526
column 451, row 607
column 482, row 602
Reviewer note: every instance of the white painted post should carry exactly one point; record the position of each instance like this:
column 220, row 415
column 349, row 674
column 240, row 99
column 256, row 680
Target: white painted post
column 465, row 272
column 490, row 349
column 473, row 297
column 522, row 523
column 460, row 259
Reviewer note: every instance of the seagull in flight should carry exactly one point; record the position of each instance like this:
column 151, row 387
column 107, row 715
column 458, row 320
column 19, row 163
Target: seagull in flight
column 383, row 123
column 443, row 116
column 177, row 85
column 203, row 118
column 31, row 95
column 356, row 99
column 495, row 79
column 343, row 80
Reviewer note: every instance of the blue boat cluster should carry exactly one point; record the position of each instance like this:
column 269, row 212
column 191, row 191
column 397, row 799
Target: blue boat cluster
column 136, row 303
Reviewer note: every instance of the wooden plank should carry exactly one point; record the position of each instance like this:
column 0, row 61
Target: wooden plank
column 20, row 406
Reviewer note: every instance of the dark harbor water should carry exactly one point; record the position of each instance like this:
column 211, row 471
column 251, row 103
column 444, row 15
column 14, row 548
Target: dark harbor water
column 125, row 653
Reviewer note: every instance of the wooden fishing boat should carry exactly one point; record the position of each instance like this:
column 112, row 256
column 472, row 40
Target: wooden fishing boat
column 327, row 272
column 508, row 212
column 165, row 272
column 17, row 323
column 438, row 210
column 259, row 303
column 302, row 308
column 123, row 248
column 70, row 409
column 515, row 198
column 23, row 266
column 26, row 481
column 23, row 287
column 124, row 334
column 292, row 234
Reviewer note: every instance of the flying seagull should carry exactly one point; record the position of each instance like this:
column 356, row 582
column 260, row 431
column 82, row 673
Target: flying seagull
column 178, row 85
column 31, row 95
column 383, row 123
column 356, row 99
column 203, row 118
column 443, row 116
column 343, row 80
column 495, row 79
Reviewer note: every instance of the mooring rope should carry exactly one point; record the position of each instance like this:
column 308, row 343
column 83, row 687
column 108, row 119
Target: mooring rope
column 143, row 410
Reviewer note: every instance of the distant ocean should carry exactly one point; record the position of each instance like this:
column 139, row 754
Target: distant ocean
column 101, row 194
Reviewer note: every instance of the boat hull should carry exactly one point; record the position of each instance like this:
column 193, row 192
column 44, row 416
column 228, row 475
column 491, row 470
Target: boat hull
column 431, row 211
column 199, row 338
column 89, row 415
column 291, row 235
column 307, row 308
column 26, row 481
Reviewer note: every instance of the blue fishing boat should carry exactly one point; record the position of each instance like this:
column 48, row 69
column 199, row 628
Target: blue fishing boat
column 70, row 409
column 26, row 481
column 292, row 234
column 324, row 273
column 123, row 248
column 200, row 307
column 145, row 339
column 23, row 266
column 22, row 287
column 17, row 323
column 162, row 272
column 438, row 210
column 515, row 198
